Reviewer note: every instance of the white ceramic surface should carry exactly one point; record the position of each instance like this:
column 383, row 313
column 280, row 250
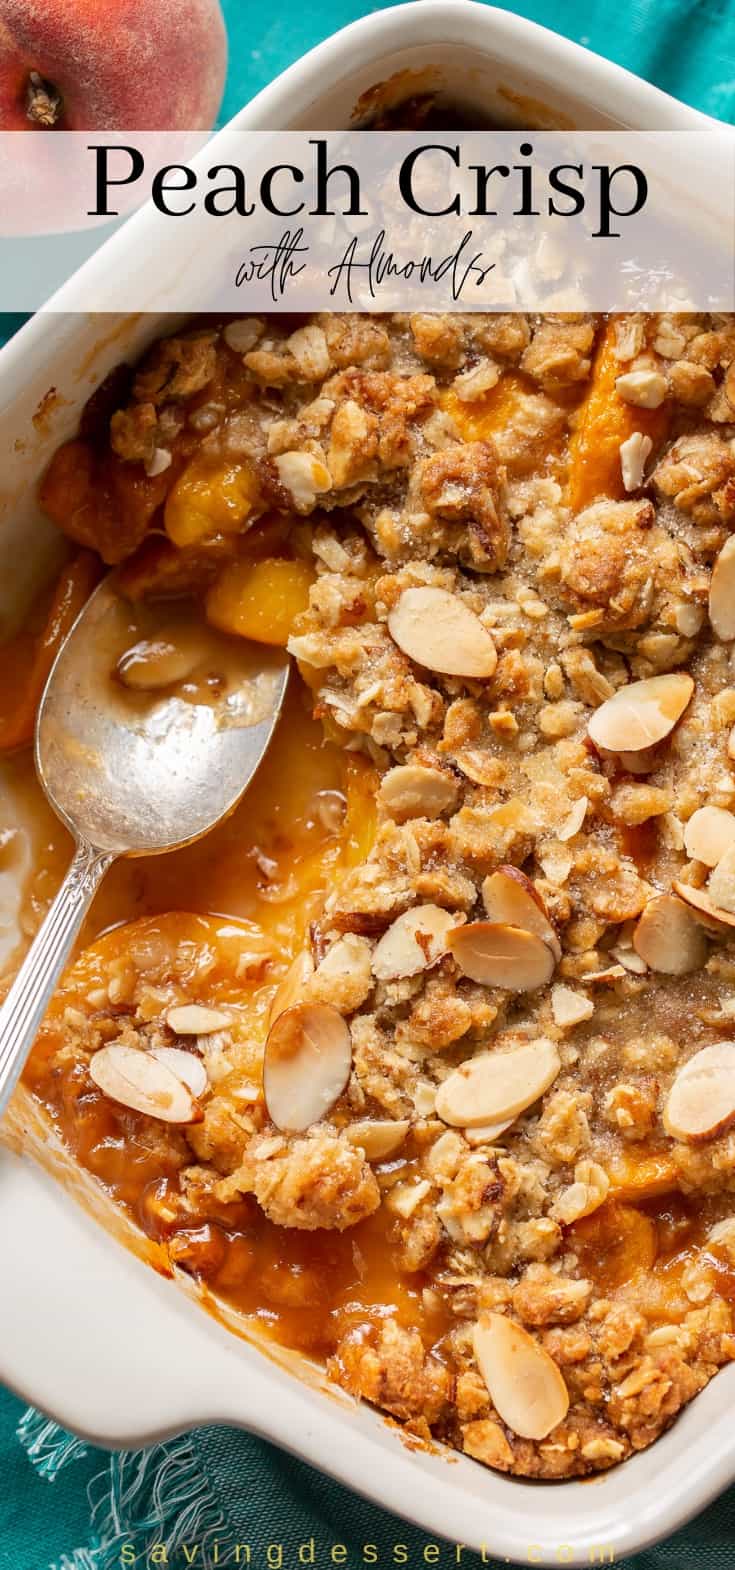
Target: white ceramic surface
column 89, row 1332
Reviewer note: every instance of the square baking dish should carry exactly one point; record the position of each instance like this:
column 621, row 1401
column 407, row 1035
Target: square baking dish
column 88, row 1332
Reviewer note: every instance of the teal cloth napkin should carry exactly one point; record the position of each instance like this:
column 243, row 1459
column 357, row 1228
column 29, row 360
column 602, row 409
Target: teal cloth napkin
column 216, row 1489
column 64, row 1506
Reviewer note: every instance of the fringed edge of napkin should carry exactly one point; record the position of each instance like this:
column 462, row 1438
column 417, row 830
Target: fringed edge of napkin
column 48, row 1447
column 159, row 1496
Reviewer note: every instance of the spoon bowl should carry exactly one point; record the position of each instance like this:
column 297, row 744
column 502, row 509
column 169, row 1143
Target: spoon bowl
column 141, row 770
column 150, row 728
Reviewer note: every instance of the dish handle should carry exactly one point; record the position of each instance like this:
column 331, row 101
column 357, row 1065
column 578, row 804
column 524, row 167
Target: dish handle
column 109, row 1349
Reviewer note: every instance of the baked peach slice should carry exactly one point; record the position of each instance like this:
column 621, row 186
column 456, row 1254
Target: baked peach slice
column 260, row 600
column 27, row 659
column 211, row 498
column 605, row 422
column 639, row 1177
column 616, row 1245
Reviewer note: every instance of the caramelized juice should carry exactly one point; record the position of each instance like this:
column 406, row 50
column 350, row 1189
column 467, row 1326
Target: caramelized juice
column 271, row 863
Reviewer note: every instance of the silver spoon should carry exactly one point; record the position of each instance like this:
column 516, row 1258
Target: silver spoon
column 134, row 773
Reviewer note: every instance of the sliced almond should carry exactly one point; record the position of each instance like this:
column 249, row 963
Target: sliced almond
column 629, row 960
column 668, row 937
column 308, row 346
column 496, row 1086
column 634, row 455
column 487, row 1133
column 573, row 822
column 524, row 1383
column 405, row 1198
column 709, row 833
column 378, row 1137
column 722, row 1234
column 642, row 762
column 480, row 767
column 570, row 1007
column 186, row 1066
column 721, row 886
column 437, row 630
column 645, row 389
column 330, row 807
column 160, row 461
column 307, row 1063
column 412, row 790
column 510, row 898
column 722, row 593
column 243, row 334
column 712, row 915
column 470, row 385
column 193, row 1019
column 555, row 862
column 413, row 941
column 304, row 476
column 291, row 987
column 701, row 1102
column 138, row 1080
column 498, row 955
column 610, row 974
column 588, row 1191
column 155, row 663
column 642, row 713
column 689, row 619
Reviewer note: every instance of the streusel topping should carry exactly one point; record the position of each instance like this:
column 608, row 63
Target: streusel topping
column 505, row 1038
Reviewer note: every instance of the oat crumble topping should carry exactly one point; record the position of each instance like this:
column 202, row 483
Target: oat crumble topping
column 506, row 1039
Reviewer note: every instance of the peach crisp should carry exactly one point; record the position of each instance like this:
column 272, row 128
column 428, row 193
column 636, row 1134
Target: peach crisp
column 426, row 1058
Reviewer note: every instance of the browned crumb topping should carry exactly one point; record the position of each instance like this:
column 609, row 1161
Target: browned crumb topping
column 523, row 615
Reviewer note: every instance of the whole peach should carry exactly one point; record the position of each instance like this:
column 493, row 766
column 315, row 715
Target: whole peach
column 91, row 65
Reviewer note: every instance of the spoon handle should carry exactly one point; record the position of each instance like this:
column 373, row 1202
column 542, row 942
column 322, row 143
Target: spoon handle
column 29, row 996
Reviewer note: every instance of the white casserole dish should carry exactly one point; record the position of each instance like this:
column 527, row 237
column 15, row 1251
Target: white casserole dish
column 87, row 1332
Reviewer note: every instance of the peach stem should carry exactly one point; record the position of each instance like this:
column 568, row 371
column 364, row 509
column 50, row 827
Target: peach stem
column 43, row 102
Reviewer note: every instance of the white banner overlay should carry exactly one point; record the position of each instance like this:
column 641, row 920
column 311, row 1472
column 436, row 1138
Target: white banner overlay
column 370, row 221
